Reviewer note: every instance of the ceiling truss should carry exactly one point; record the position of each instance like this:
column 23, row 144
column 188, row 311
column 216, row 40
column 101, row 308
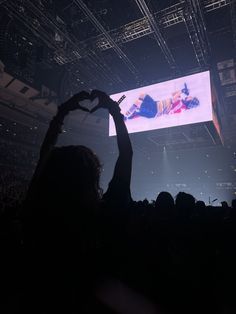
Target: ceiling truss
column 106, row 35
column 67, row 48
column 165, row 18
column 156, row 32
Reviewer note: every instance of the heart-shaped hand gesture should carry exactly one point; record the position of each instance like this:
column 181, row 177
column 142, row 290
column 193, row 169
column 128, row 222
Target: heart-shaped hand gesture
column 74, row 102
column 104, row 102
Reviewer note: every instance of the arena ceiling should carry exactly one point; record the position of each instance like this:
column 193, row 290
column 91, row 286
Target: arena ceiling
column 70, row 45
column 114, row 45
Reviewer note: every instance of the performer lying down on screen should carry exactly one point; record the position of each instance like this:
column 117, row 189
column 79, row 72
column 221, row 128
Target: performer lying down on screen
column 147, row 107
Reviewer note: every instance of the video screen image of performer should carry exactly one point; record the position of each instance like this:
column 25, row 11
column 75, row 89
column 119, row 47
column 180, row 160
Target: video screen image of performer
column 146, row 106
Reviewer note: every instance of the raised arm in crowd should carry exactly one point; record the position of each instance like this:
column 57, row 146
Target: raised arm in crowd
column 76, row 169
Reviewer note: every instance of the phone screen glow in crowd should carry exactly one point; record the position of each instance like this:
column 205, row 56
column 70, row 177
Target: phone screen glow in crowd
column 185, row 100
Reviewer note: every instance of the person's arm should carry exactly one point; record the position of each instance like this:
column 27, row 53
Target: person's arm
column 119, row 186
column 53, row 132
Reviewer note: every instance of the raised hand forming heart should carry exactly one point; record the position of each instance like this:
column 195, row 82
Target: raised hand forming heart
column 104, row 101
column 74, row 102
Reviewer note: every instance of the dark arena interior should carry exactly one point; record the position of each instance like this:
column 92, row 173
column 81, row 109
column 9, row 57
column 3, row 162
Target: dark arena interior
column 144, row 220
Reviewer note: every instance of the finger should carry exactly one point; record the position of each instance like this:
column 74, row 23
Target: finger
column 80, row 97
column 95, row 108
column 84, row 109
column 93, row 94
column 83, row 95
column 97, row 93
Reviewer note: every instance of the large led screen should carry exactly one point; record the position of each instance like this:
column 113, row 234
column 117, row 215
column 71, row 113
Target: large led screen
column 181, row 101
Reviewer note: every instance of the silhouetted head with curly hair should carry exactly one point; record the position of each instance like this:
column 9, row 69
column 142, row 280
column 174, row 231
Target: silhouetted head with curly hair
column 71, row 175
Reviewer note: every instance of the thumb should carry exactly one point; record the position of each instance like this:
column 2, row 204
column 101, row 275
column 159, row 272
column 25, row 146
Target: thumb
column 97, row 93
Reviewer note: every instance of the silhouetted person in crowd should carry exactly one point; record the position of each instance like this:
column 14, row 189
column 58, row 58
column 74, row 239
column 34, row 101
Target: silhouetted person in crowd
column 224, row 205
column 184, row 203
column 145, row 202
column 165, row 205
column 234, row 204
column 200, row 208
column 63, row 202
column 200, row 204
column 233, row 210
column 75, row 170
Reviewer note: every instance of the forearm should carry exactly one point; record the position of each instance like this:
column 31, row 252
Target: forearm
column 123, row 140
column 48, row 144
column 52, row 133
column 123, row 167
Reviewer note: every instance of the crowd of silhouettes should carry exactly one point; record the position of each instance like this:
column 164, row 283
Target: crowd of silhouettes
column 71, row 248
